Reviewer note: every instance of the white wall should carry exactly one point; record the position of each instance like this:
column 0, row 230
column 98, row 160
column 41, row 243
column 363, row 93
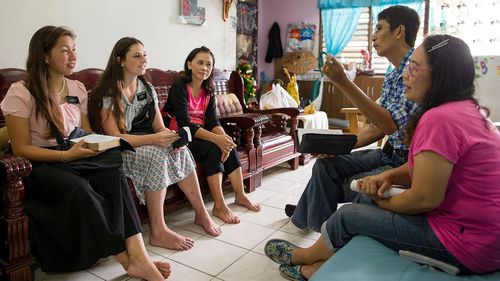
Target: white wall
column 487, row 85
column 98, row 24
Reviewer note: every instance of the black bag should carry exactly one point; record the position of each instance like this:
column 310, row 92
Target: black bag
column 142, row 123
column 109, row 159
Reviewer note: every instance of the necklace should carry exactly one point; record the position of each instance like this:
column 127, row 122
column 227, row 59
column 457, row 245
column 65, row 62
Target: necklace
column 62, row 88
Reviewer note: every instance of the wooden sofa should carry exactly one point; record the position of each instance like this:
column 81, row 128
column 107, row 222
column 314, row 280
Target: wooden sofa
column 278, row 136
column 16, row 259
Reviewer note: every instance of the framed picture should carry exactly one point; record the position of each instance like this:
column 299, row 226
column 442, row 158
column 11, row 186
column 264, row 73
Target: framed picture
column 300, row 37
column 191, row 13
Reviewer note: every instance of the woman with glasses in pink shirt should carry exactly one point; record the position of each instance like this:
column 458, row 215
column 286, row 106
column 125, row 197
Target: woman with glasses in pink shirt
column 451, row 210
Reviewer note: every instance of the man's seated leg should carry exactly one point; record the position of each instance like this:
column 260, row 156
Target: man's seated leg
column 325, row 188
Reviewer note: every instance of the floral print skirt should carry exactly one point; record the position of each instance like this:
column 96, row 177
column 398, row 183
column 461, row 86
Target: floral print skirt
column 152, row 167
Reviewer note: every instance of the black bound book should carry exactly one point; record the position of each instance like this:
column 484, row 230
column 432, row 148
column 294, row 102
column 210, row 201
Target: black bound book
column 323, row 141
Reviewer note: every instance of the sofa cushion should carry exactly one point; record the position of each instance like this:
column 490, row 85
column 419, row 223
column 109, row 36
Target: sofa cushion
column 228, row 104
column 366, row 259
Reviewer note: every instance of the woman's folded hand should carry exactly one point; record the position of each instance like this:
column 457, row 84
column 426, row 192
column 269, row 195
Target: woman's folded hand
column 165, row 138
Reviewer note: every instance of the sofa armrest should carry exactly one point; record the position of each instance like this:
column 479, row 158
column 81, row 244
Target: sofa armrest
column 245, row 120
column 290, row 111
column 244, row 128
column 15, row 253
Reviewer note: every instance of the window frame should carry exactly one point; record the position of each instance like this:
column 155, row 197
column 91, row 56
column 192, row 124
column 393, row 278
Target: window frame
column 369, row 44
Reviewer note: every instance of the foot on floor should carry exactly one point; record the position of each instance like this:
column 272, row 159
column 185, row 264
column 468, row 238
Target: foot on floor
column 170, row 240
column 225, row 214
column 208, row 224
column 291, row 272
column 279, row 251
column 290, row 209
column 244, row 201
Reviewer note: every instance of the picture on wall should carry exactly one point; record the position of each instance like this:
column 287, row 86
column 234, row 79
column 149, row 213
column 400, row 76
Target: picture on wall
column 300, row 37
column 191, row 13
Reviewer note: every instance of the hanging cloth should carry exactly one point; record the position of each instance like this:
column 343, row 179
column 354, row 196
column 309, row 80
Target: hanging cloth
column 274, row 49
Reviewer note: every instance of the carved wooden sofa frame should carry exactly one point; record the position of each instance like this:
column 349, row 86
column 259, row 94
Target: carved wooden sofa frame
column 16, row 259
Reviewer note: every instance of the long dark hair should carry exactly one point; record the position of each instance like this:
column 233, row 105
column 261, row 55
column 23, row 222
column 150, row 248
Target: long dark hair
column 452, row 76
column 37, row 81
column 208, row 84
column 107, row 86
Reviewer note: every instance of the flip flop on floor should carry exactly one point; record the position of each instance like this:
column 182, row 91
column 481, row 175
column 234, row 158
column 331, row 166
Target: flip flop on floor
column 292, row 272
column 279, row 251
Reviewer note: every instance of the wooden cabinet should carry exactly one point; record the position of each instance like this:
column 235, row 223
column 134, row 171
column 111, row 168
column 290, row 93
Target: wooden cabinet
column 370, row 85
column 334, row 100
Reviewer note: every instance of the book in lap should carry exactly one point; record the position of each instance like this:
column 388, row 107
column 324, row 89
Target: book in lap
column 324, row 141
column 99, row 142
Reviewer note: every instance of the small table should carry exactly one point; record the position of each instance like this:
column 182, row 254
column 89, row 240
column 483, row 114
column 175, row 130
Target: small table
column 318, row 120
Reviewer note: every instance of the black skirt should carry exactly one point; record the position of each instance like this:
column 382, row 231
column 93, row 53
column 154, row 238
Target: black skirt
column 76, row 220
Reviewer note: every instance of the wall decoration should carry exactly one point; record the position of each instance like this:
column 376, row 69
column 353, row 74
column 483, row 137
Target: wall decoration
column 246, row 34
column 191, row 13
column 226, row 5
column 300, row 37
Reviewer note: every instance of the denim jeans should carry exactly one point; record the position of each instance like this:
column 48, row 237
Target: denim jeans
column 330, row 181
column 396, row 231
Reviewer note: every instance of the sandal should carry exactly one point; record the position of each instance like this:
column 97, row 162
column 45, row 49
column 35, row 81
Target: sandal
column 292, row 272
column 279, row 251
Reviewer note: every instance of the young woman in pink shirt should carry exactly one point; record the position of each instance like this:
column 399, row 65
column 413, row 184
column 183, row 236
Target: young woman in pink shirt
column 74, row 219
column 451, row 211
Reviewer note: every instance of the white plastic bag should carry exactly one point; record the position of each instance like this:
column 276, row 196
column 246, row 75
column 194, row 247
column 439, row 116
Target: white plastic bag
column 277, row 98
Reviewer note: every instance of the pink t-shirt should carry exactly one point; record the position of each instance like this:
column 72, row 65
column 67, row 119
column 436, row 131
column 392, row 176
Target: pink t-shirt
column 197, row 106
column 468, row 220
column 19, row 102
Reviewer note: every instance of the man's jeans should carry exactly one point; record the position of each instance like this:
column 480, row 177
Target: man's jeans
column 330, row 181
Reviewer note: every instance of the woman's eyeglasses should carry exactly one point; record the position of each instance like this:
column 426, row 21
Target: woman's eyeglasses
column 413, row 68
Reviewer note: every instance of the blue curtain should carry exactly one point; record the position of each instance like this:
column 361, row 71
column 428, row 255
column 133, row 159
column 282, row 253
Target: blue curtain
column 417, row 6
column 338, row 27
column 336, row 4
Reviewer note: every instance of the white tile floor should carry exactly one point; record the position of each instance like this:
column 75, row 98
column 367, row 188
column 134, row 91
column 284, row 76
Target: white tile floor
column 237, row 254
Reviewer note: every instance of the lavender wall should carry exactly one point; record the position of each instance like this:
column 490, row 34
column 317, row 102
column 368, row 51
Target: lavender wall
column 283, row 12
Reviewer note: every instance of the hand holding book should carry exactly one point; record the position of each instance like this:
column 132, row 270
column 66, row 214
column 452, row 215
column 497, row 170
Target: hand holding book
column 97, row 142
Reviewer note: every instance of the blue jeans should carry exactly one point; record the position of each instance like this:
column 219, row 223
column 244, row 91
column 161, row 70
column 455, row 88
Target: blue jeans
column 330, row 181
column 396, row 231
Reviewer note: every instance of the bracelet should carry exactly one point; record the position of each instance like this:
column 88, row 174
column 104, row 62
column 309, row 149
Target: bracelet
column 62, row 156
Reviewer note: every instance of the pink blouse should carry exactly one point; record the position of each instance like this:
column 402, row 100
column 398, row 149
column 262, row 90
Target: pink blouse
column 19, row 102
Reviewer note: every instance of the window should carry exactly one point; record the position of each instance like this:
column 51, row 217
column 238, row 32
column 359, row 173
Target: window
column 476, row 22
column 361, row 40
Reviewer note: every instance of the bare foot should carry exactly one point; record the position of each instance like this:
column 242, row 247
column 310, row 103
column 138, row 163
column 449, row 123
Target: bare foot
column 245, row 202
column 307, row 270
column 146, row 269
column 225, row 214
column 208, row 224
column 164, row 268
column 170, row 240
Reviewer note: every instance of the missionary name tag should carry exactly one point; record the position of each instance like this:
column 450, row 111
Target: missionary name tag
column 72, row 99
column 142, row 96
